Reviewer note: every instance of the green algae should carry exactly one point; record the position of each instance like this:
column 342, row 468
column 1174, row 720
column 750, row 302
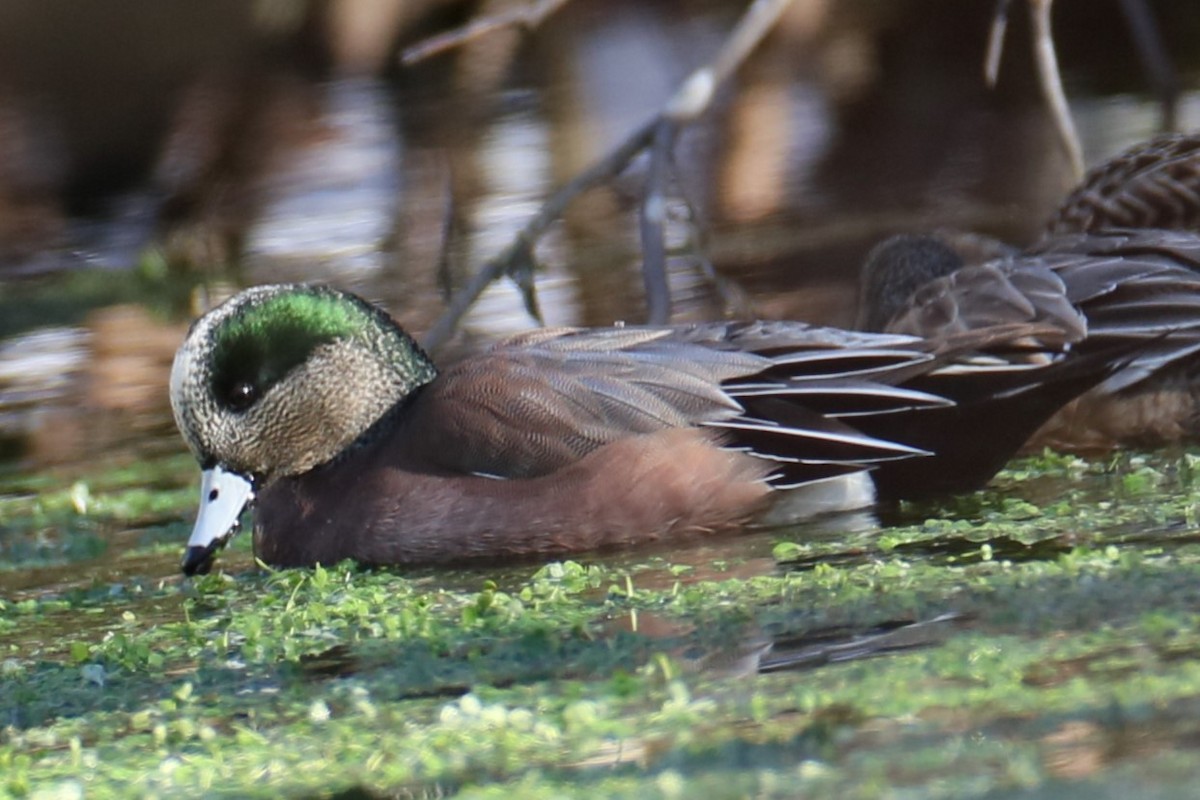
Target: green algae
column 1042, row 636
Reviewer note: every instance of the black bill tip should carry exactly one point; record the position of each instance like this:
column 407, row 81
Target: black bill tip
column 198, row 560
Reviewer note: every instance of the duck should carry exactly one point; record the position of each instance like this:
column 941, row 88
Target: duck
column 1098, row 289
column 1118, row 261
column 315, row 407
column 1152, row 186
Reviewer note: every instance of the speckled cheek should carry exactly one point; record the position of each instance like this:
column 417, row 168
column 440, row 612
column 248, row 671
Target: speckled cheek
column 182, row 403
column 179, row 370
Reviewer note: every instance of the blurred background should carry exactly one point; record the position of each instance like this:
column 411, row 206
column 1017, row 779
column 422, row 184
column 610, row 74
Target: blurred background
column 155, row 155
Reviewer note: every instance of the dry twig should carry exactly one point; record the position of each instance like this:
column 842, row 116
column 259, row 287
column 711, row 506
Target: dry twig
column 1151, row 49
column 689, row 102
column 1147, row 39
column 527, row 16
column 1051, row 83
column 1049, row 78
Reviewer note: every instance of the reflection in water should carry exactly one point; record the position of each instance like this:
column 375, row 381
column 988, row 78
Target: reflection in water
column 512, row 168
column 772, row 125
column 69, row 393
column 37, row 372
column 333, row 203
column 627, row 642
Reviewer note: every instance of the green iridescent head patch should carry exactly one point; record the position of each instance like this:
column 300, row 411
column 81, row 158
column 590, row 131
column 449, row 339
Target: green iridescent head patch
column 266, row 339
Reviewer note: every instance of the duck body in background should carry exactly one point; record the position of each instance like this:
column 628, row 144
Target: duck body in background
column 1119, row 263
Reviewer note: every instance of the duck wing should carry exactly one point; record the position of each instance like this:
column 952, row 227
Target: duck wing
column 1008, row 291
column 814, row 402
column 539, row 401
column 1133, row 285
column 1099, row 291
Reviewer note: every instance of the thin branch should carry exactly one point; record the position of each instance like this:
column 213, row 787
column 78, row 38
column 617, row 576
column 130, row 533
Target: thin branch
column 520, row 250
column 1049, row 78
column 995, row 46
column 749, row 32
column 689, row 102
column 1151, row 49
column 733, row 299
column 1051, row 83
column 653, row 224
column 693, row 97
column 445, row 264
column 527, row 17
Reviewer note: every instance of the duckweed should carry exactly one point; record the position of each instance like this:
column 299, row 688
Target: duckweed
column 1039, row 637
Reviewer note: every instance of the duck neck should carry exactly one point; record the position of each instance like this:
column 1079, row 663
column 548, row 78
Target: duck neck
column 410, row 366
column 355, row 386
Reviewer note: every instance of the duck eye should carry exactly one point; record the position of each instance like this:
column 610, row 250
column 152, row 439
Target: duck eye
column 241, row 396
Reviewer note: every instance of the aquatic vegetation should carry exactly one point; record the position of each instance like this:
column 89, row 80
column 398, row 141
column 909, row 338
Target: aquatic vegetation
column 1042, row 633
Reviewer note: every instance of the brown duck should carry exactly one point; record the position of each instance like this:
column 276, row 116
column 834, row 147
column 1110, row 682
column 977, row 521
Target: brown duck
column 1098, row 283
column 316, row 405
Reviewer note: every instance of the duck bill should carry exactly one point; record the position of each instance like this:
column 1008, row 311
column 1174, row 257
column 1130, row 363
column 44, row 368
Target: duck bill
column 223, row 496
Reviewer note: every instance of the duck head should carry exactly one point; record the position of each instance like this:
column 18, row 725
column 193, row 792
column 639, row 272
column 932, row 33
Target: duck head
column 276, row 381
column 894, row 269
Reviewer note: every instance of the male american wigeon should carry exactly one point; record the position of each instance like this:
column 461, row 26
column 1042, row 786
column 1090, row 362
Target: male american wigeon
column 1098, row 284
column 316, row 405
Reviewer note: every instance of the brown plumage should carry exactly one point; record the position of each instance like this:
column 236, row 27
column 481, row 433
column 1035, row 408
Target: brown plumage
column 1154, row 184
column 1103, row 290
column 1120, row 257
